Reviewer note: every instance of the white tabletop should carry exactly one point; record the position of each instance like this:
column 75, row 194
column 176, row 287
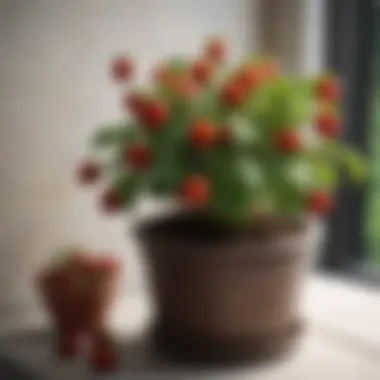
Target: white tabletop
column 339, row 343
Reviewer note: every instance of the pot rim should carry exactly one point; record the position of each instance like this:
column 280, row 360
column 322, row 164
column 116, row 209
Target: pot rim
column 147, row 231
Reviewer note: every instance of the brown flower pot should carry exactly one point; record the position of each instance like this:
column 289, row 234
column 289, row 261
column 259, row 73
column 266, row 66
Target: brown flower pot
column 225, row 295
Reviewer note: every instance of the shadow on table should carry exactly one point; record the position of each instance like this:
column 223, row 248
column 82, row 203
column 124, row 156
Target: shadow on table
column 139, row 358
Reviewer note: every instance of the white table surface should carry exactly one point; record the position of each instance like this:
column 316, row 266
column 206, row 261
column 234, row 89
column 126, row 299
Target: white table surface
column 342, row 342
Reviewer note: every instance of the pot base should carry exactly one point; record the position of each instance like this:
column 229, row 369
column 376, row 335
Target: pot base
column 208, row 350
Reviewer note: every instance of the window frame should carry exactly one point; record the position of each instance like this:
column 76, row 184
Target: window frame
column 350, row 30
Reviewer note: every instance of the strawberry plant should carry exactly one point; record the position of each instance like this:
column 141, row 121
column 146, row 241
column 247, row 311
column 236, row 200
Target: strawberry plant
column 230, row 139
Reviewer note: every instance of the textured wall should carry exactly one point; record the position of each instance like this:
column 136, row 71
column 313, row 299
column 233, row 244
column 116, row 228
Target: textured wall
column 54, row 89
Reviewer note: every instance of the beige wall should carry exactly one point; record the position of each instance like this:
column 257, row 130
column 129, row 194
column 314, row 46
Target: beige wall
column 54, row 89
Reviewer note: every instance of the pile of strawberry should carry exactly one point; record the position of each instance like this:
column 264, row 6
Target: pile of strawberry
column 77, row 290
column 204, row 128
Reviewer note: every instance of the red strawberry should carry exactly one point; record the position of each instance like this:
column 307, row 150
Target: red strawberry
column 233, row 94
column 216, row 50
column 122, row 69
column 186, row 86
column 138, row 155
column 135, row 103
column 155, row 114
column 320, row 201
column 112, row 201
column 328, row 89
column 249, row 77
column 88, row 172
column 329, row 124
column 202, row 133
column 202, row 70
column 196, row 190
column 288, row 141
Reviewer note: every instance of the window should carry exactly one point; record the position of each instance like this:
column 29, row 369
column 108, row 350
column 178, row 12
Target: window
column 354, row 52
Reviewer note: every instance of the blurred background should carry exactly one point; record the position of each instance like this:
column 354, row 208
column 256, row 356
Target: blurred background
column 55, row 89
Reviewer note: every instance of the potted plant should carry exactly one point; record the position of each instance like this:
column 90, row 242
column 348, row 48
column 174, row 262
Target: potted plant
column 248, row 154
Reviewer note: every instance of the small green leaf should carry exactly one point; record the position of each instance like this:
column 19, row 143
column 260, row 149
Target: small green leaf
column 130, row 186
column 289, row 200
column 307, row 85
column 281, row 103
column 357, row 166
column 236, row 183
column 300, row 173
column 113, row 135
column 251, row 174
column 325, row 175
column 353, row 161
column 281, row 188
column 166, row 174
column 246, row 133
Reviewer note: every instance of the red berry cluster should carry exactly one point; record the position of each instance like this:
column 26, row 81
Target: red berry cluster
column 153, row 114
column 288, row 140
column 329, row 123
column 328, row 91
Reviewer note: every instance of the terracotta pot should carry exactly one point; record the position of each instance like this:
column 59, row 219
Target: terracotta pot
column 225, row 294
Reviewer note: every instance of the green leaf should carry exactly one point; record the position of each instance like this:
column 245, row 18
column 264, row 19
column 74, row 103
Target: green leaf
column 281, row 103
column 166, row 174
column 325, row 174
column 320, row 171
column 130, row 185
column 246, row 133
column 281, row 188
column 356, row 165
column 353, row 161
column 299, row 172
column 251, row 174
column 289, row 199
column 113, row 135
column 307, row 85
column 236, row 183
